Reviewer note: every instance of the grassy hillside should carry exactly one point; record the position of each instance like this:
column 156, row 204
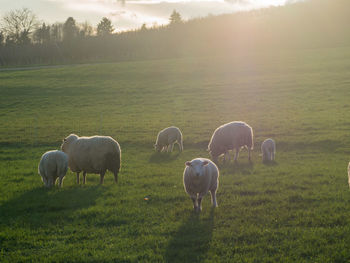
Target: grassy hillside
column 296, row 210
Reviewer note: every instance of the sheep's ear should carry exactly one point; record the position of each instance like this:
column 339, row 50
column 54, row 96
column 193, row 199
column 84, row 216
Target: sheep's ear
column 64, row 140
column 205, row 163
column 188, row 163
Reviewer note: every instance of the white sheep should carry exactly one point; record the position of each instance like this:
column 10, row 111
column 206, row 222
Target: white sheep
column 268, row 149
column 95, row 154
column 230, row 136
column 53, row 165
column 200, row 176
column 349, row 174
column 167, row 138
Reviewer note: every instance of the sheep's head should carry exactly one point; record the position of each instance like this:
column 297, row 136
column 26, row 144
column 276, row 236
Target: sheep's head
column 67, row 141
column 157, row 147
column 214, row 155
column 215, row 152
column 196, row 166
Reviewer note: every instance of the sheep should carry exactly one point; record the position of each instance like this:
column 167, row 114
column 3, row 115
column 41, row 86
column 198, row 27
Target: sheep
column 53, row 165
column 232, row 135
column 200, row 176
column 268, row 149
column 166, row 139
column 95, row 154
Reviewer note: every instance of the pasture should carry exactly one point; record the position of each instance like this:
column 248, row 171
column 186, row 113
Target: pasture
column 295, row 210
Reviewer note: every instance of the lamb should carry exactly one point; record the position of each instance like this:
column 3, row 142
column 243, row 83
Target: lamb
column 53, row 165
column 95, row 154
column 200, row 176
column 268, row 149
column 233, row 135
column 166, row 139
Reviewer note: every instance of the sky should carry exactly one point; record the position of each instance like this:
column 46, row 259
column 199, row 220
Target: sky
column 130, row 14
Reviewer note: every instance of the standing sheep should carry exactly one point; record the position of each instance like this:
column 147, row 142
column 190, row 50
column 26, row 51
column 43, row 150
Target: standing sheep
column 95, row 154
column 53, row 165
column 200, row 176
column 233, row 135
column 268, row 149
column 166, row 139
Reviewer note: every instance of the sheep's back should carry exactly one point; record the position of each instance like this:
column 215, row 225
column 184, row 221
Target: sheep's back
column 231, row 135
column 53, row 162
column 94, row 154
column 171, row 133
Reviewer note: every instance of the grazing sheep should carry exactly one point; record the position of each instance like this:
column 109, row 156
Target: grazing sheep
column 233, row 135
column 268, row 149
column 349, row 173
column 166, row 139
column 53, row 165
column 95, row 154
column 200, row 176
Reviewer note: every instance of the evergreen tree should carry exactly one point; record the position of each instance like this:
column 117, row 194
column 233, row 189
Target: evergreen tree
column 70, row 30
column 175, row 18
column 105, row 27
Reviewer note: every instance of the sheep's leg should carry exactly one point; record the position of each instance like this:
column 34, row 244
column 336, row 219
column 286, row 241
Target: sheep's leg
column 77, row 178
column 199, row 208
column 102, row 175
column 213, row 198
column 84, row 177
column 272, row 155
column 249, row 157
column 116, row 177
column 171, row 147
column 194, row 200
column 44, row 180
column 60, row 179
column 50, row 182
column 236, row 155
column 227, row 155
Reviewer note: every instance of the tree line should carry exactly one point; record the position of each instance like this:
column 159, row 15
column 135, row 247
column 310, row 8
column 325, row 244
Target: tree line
column 307, row 24
column 23, row 40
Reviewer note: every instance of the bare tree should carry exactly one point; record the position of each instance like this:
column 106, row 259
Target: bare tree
column 42, row 34
column 86, row 29
column 19, row 24
column 56, row 32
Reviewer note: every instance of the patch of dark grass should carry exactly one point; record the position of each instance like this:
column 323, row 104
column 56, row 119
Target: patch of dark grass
column 41, row 207
column 191, row 241
column 159, row 157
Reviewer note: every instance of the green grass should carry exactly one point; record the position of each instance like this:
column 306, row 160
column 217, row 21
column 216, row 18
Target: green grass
column 296, row 210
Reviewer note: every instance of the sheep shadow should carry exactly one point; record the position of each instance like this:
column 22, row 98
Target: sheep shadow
column 237, row 167
column 270, row 163
column 41, row 206
column 161, row 157
column 192, row 240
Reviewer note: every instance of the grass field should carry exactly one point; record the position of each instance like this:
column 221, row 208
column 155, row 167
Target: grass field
column 296, row 210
